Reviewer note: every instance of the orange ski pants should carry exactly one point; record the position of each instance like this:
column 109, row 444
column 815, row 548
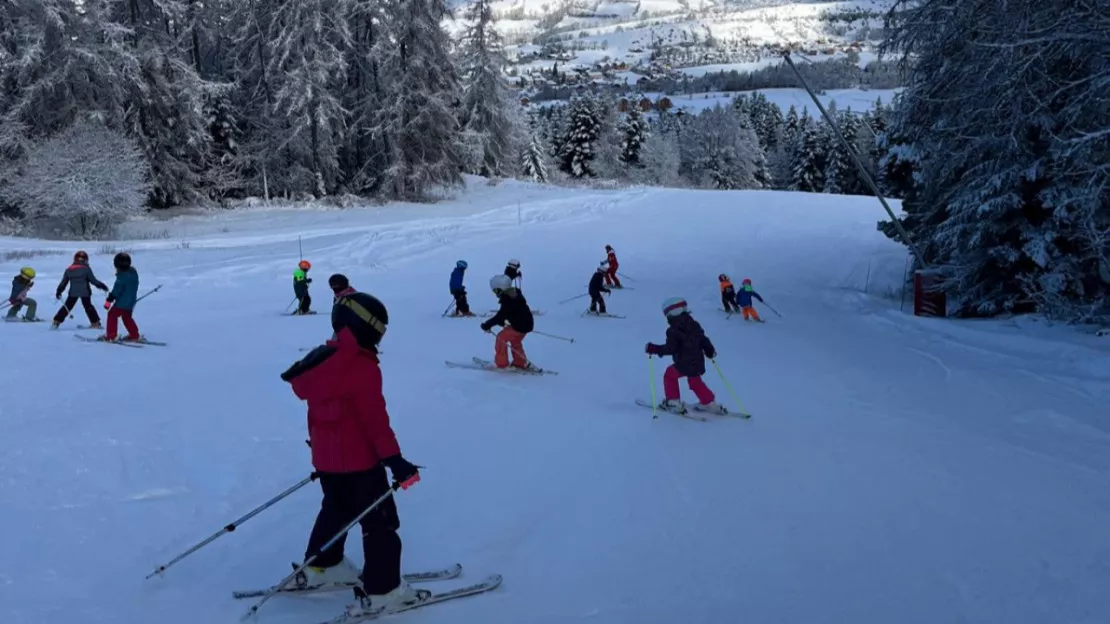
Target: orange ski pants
column 509, row 338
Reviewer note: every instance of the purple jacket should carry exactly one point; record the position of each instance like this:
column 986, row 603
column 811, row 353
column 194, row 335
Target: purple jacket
column 688, row 345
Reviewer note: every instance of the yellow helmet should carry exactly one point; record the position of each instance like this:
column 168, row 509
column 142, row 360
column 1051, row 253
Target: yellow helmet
column 27, row 272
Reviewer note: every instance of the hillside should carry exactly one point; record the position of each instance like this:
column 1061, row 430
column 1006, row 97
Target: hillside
column 897, row 469
column 617, row 42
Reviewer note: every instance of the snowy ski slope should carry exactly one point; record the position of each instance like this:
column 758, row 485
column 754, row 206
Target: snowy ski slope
column 897, row 469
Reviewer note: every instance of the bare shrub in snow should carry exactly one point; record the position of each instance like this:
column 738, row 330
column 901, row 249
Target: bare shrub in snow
column 82, row 182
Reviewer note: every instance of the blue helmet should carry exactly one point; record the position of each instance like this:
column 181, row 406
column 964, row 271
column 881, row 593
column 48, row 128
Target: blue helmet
column 461, row 264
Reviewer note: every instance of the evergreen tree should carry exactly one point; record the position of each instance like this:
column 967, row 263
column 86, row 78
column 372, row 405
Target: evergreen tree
column 534, row 161
column 792, row 126
column 418, row 121
column 579, row 147
column 841, row 176
column 489, row 107
column 809, row 159
column 719, row 150
column 634, row 131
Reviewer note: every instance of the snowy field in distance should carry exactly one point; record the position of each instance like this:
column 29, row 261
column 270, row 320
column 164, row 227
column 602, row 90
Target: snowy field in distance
column 897, row 469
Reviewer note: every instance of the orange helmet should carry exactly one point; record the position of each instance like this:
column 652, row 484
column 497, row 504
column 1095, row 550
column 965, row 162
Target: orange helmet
column 304, row 265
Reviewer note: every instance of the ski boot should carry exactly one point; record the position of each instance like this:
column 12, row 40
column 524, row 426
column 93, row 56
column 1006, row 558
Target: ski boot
column 404, row 595
column 96, row 325
column 711, row 408
column 674, row 406
column 527, row 368
column 344, row 574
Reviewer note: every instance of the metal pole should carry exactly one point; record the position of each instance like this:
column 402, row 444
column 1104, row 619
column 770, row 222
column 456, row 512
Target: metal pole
column 864, row 173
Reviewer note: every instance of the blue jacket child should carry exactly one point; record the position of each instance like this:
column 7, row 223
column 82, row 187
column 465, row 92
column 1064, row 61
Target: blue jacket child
column 744, row 300
column 462, row 308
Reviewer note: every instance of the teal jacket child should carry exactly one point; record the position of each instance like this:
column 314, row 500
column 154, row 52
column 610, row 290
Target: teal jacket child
column 126, row 289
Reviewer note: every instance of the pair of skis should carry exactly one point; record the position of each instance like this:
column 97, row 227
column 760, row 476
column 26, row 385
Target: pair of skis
column 486, row 365
column 489, row 583
column 602, row 314
column 696, row 413
column 136, row 344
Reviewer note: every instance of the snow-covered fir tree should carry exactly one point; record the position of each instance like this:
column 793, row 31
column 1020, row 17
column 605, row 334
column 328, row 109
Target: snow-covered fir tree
column 809, row 159
column 1009, row 152
column 634, row 132
column 490, row 109
column 720, row 150
column 792, row 126
column 418, row 120
column 841, row 175
column 579, row 145
column 534, row 161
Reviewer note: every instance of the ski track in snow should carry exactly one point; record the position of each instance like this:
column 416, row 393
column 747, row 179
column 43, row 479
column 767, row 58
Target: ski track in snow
column 897, row 469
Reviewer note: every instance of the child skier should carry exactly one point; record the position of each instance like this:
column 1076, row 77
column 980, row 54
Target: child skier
column 80, row 279
column 513, row 272
column 462, row 308
column 21, row 285
column 744, row 300
column 516, row 317
column 121, row 301
column 688, row 346
column 301, row 280
column 353, row 444
column 611, row 273
column 597, row 303
column 728, row 294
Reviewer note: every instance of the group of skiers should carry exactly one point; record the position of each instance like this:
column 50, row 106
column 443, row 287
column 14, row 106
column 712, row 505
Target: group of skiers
column 80, row 280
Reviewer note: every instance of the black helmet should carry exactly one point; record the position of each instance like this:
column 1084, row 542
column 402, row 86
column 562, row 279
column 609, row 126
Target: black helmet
column 122, row 261
column 363, row 315
column 338, row 282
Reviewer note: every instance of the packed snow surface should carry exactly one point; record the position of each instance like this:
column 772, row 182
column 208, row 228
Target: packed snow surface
column 896, row 470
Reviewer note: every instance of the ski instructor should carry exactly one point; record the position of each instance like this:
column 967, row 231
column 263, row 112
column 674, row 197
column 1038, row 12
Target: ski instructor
column 352, row 445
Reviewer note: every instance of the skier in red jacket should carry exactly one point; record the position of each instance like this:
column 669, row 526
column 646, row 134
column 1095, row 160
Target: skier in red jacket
column 611, row 276
column 352, row 445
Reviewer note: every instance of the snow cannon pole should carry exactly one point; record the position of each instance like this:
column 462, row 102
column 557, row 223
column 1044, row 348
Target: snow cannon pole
column 277, row 588
column 300, row 248
column 654, row 405
column 156, row 289
column 234, row 525
column 626, row 277
column 564, row 339
column 732, row 392
column 573, row 298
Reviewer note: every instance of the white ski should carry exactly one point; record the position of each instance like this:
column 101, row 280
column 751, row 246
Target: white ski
column 412, row 577
column 686, row 414
column 134, row 345
column 491, row 582
column 486, row 365
column 600, row 315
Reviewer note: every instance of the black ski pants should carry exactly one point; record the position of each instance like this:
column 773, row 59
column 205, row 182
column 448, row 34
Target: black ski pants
column 346, row 495
column 86, row 302
column 729, row 302
column 461, row 305
column 597, row 303
column 305, row 304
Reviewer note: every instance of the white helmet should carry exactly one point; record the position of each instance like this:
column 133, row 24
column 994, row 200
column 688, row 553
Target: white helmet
column 603, row 267
column 674, row 306
column 500, row 283
column 513, row 262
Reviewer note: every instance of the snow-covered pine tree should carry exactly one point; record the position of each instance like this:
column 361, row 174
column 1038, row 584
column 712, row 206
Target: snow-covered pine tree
column 660, row 160
column 634, row 132
column 809, row 159
column 720, row 150
column 583, row 129
column 418, row 120
column 534, row 161
column 841, row 176
column 792, row 126
column 490, row 108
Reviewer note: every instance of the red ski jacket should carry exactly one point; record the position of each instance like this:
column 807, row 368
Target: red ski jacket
column 613, row 264
column 348, row 424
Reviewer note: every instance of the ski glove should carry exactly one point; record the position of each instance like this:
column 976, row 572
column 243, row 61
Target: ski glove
column 108, row 304
column 486, row 327
column 651, row 349
column 404, row 472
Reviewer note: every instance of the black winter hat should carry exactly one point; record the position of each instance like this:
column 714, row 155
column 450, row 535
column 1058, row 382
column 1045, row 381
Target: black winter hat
column 339, row 282
column 122, row 261
column 364, row 315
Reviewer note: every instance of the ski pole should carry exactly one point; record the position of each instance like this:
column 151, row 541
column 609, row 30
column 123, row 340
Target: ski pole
column 740, row 405
column 651, row 371
column 769, row 307
column 449, row 306
column 156, row 289
column 276, row 588
column 573, row 298
column 291, row 304
column 625, row 276
column 553, row 336
column 234, row 525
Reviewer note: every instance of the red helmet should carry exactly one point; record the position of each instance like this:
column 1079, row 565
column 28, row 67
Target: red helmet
column 746, row 282
column 80, row 256
column 304, row 265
